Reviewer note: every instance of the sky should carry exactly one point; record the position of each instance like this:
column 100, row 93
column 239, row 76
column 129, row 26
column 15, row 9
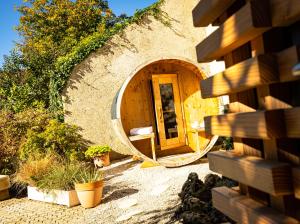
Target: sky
column 9, row 18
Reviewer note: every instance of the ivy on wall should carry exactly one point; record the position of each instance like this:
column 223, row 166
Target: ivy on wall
column 65, row 64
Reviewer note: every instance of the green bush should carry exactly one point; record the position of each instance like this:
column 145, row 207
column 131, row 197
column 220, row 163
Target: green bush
column 60, row 138
column 13, row 129
column 96, row 150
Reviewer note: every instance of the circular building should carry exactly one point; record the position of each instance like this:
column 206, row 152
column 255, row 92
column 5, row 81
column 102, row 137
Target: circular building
column 140, row 93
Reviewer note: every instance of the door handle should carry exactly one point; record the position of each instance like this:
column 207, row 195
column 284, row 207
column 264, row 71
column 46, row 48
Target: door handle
column 161, row 113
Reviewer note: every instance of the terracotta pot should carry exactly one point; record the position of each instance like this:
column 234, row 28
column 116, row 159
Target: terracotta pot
column 103, row 160
column 90, row 194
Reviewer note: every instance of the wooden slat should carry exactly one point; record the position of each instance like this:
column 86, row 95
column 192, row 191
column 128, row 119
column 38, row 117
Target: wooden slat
column 207, row 11
column 235, row 107
column 296, row 179
column 258, row 125
column 4, row 182
column 140, row 137
column 284, row 12
column 4, row 194
column 268, row 176
column 292, row 121
column 287, row 59
column 249, row 22
column 245, row 210
column 242, row 76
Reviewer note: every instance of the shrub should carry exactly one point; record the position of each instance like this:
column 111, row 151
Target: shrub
column 51, row 172
column 33, row 170
column 94, row 151
column 57, row 137
column 13, row 129
column 61, row 177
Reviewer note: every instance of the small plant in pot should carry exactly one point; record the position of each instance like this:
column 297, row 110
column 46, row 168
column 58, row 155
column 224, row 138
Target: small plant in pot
column 89, row 188
column 100, row 155
column 49, row 179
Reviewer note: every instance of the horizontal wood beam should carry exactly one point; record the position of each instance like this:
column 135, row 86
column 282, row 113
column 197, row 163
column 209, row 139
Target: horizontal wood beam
column 287, row 59
column 243, row 209
column 284, row 12
column 4, row 182
column 249, row 22
column 237, row 107
column 268, row 176
column 292, row 122
column 247, row 74
column 257, row 125
column 207, row 11
column 4, row 194
column 296, row 178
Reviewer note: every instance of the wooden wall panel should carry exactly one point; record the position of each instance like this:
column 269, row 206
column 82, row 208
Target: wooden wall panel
column 137, row 108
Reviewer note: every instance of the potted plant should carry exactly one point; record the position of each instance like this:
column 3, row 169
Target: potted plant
column 100, row 155
column 50, row 180
column 89, row 188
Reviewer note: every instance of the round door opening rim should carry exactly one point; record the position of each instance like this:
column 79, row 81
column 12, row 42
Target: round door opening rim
column 165, row 94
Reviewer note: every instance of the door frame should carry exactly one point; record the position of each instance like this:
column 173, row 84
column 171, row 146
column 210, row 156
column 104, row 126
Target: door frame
column 181, row 129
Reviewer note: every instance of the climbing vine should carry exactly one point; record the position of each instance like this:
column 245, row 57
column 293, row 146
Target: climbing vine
column 65, row 64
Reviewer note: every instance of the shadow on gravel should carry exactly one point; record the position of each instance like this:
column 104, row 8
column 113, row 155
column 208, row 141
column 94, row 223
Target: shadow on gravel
column 118, row 193
column 156, row 216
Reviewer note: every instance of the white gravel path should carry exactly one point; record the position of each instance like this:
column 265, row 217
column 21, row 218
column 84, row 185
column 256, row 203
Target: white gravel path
column 151, row 194
column 131, row 195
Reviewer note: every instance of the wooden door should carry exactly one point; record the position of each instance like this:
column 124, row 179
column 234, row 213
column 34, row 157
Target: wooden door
column 168, row 111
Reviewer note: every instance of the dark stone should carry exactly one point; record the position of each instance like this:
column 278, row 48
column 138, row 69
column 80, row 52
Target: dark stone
column 196, row 200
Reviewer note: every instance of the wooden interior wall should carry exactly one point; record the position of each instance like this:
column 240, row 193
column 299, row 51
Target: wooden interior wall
column 137, row 109
column 259, row 42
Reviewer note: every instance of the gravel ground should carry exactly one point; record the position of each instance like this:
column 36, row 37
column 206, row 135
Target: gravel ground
column 131, row 195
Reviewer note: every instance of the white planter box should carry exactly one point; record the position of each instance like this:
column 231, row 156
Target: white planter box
column 68, row 198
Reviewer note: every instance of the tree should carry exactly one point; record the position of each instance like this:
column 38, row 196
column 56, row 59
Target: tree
column 49, row 29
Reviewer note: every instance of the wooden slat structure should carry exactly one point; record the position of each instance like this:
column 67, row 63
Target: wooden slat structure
column 296, row 178
column 259, row 42
column 271, row 177
column 286, row 61
column 209, row 10
column 258, row 125
column 245, row 210
column 249, row 22
column 4, row 186
column 292, row 121
column 245, row 75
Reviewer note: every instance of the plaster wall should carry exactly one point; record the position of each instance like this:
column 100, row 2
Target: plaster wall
column 94, row 83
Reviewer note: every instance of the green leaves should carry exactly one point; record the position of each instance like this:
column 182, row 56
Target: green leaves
column 65, row 64
column 96, row 150
column 58, row 35
column 60, row 138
